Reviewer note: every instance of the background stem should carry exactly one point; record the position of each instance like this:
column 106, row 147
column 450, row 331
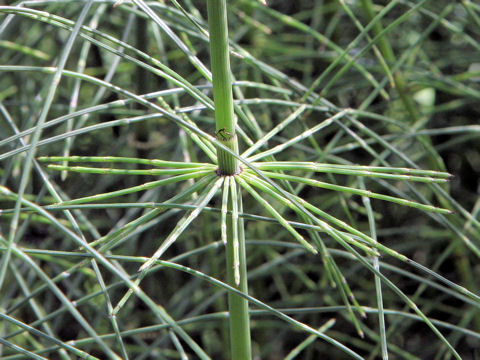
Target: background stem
column 402, row 88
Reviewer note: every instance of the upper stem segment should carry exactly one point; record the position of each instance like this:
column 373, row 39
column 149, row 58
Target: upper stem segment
column 222, row 86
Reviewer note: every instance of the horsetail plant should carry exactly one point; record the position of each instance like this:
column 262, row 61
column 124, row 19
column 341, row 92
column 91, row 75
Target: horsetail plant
column 214, row 179
column 230, row 174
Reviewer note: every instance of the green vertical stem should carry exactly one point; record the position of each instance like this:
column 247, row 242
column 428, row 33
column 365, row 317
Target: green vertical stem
column 222, row 86
column 237, row 305
column 228, row 165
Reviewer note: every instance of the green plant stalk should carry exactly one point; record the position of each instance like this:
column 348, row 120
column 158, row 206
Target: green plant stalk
column 240, row 342
column 222, row 86
column 238, row 306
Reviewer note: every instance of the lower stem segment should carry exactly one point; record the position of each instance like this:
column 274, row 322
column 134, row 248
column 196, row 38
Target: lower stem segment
column 237, row 305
